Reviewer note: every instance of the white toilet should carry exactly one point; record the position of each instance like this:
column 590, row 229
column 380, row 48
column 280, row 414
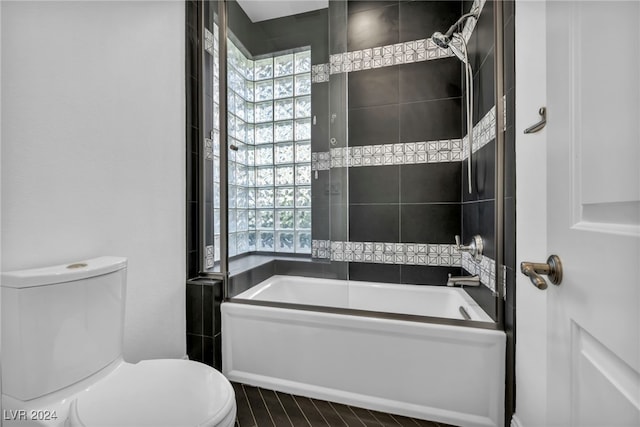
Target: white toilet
column 62, row 330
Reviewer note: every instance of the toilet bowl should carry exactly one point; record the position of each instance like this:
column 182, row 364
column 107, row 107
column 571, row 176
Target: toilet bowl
column 157, row 393
column 160, row 393
column 62, row 349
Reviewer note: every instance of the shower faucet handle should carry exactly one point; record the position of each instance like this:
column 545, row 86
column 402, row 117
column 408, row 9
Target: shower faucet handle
column 474, row 248
column 461, row 247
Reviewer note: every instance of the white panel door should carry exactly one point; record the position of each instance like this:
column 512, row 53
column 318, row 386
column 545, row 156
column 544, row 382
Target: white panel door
column 593, row 212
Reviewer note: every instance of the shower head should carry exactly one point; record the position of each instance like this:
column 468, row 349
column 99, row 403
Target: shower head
column 459, row 50
column 444, row 40
column 441, row 40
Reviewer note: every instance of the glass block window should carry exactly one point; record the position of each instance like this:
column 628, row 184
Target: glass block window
column 269, row 120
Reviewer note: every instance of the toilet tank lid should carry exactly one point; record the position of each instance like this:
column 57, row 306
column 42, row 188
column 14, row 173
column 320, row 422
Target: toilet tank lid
column 62, row 273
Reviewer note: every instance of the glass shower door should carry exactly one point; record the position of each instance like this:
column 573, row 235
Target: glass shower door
column 285, row 202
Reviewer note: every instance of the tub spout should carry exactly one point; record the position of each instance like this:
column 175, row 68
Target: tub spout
column 463, row 280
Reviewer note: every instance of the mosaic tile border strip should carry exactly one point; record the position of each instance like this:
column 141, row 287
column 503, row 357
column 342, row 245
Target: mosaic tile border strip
column 435, row 255
column 485, row 130
column 483, row 133
column 387, row 56
column 321, row 249
column 320, row 161
column 485, row 269
column 208, row 149
column 404, row 153
column 448, row 150
column 320, row 73
column 441, row 255
column 208, row 259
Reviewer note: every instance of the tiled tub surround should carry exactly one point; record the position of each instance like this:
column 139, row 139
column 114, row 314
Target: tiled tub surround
column 392, row 89
column 450, row 150
column 400, row 153
column 445, row 151
column 380, row 363
column 438, row 151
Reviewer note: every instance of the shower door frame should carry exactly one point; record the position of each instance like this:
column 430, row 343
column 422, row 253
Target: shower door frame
column 223, row 274
column 498, row 37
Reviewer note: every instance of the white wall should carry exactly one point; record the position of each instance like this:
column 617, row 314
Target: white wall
column 531, row 226
column 93, row 160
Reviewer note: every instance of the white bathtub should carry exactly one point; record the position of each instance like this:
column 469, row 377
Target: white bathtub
column 432, row 301
column 437, row 371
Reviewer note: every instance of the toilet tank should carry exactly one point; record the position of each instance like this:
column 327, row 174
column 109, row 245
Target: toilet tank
column 60, row 324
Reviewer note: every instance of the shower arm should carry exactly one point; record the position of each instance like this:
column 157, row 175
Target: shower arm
column 462, row 19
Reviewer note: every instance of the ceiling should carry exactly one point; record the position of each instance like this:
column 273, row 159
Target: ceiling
column 261, row 10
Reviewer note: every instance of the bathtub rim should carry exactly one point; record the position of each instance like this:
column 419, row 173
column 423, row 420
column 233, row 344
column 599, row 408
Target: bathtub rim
column 369, row 313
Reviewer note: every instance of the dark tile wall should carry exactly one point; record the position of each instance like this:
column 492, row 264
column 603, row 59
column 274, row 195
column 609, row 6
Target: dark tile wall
column 403, row 103
column 203, row 321
column 378, row 23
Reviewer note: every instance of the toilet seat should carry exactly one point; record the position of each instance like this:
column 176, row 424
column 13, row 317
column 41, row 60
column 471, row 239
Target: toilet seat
column 171, row 393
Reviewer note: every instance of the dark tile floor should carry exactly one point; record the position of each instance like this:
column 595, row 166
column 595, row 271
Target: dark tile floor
column 258, row 407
